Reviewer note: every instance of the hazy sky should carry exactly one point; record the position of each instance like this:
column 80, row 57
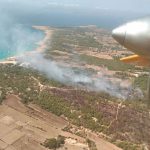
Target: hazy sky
column 73, row 12
column 132, row 5
column 125, row 5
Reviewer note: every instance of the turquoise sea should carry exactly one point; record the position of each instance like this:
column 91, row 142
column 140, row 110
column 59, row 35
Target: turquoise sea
column 18, row 40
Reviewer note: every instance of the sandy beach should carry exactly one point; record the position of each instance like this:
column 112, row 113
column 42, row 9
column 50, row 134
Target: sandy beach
column 11, row 60
column 41, row 45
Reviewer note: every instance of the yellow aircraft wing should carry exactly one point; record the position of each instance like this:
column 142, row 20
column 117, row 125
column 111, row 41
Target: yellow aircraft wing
column 136, row 59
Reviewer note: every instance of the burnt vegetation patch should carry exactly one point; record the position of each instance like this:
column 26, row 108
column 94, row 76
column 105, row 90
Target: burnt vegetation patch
column 121, row 121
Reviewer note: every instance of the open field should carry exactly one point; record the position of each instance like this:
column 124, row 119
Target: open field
column 25, row 127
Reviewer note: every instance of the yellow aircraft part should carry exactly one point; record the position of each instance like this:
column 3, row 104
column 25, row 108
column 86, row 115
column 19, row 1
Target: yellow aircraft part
column 136, row 59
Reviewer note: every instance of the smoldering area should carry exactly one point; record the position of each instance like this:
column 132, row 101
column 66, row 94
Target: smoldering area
column 67, row 75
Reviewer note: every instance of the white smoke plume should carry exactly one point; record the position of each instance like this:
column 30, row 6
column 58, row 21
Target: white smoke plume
column 121, row 89
column 17, row 39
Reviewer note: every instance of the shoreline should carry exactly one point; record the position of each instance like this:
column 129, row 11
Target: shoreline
column 41, row 45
